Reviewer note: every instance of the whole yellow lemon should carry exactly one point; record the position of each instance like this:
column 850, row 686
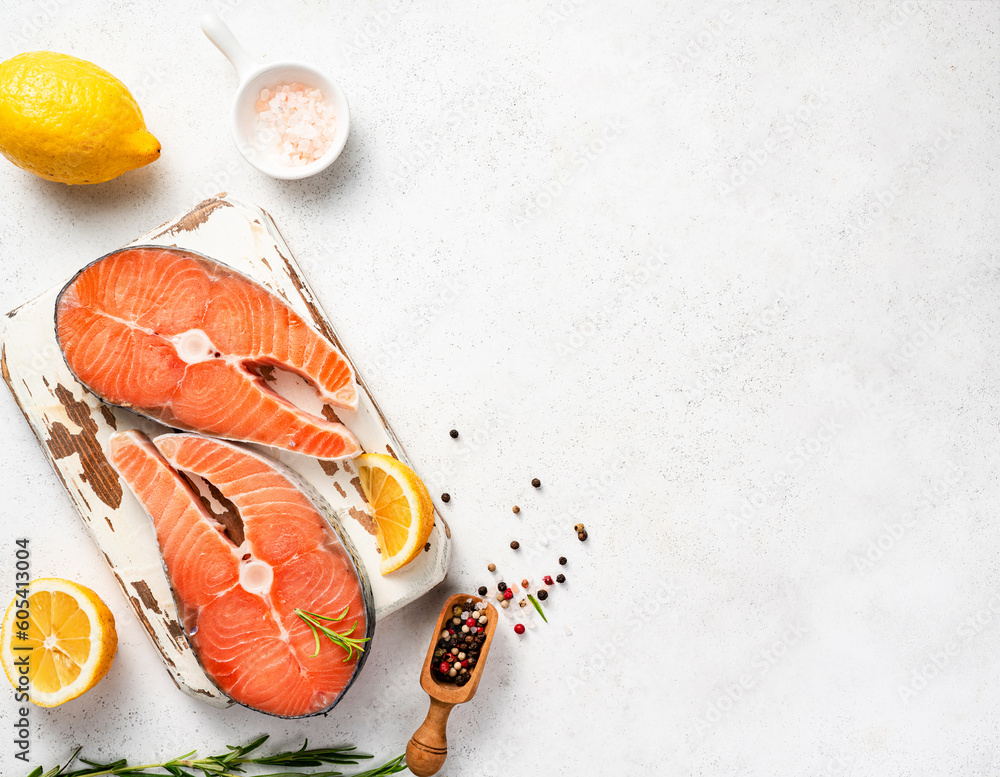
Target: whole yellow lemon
column 68, row 120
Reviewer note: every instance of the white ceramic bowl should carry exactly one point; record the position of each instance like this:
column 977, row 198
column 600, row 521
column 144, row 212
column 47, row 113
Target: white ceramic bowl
column 254, row 76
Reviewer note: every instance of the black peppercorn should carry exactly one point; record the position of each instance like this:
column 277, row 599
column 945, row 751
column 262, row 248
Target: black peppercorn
column 482, row 590
column 560, row 578
column 536, row 482
column 514, row 545
column 501, row 586
column 453, row 433
column 582, row 536
column 562, row 560
column 446, row 497
column 543, row 595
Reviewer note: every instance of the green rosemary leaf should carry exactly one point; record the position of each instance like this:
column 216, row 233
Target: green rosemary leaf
column 397, row 764
column 304, row 757
column 538, row 607
column 242, row 750
column 301, row 774
column 228, row 764
column 342, row 639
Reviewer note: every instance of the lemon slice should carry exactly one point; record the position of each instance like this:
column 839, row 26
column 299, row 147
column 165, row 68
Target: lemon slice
column 401, row 507
column 60, row 645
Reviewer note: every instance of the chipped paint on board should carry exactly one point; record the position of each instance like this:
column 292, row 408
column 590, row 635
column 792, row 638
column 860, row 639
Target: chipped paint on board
column 96, row 471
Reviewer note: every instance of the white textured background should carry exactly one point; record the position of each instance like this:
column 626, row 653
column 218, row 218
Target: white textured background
column 724, row 276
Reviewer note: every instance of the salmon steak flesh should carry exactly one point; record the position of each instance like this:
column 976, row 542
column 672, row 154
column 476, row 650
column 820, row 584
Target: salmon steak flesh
column 240, row 582
column 185, row 340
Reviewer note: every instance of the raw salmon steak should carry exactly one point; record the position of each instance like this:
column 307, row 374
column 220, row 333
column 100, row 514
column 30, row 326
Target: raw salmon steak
column 237, row 584
column 181, row 338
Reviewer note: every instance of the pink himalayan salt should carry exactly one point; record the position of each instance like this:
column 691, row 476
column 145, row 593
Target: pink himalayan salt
column 295, row 124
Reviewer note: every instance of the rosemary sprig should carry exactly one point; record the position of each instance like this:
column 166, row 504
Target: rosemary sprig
column 538, row 607
column 230, row 764
column 343, row 639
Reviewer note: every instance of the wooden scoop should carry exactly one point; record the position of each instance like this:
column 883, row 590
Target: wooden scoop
column 428, row 747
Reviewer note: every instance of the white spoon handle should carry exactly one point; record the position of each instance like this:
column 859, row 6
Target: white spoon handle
column 222, row 37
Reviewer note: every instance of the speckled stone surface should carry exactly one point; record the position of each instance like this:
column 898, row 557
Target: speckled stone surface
column 723, row 276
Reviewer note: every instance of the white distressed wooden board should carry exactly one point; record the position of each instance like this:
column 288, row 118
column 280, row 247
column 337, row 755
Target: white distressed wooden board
column 72, row 426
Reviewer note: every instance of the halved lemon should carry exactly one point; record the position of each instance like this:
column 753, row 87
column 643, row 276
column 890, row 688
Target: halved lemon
column 61, row 644
column 401, row 507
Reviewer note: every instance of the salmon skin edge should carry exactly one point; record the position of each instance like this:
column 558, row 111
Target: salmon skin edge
column 173, row 424
column 331, row 520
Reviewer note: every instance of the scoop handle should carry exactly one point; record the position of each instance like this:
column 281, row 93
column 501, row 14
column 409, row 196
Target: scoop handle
column 428, row 747
column 223, row 39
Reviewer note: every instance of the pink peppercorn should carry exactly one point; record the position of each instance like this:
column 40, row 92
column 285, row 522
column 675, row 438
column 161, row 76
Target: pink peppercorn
column 465, row 663
column 444, row 667
column 508, row 594
column 547, row 580
column 470, row 622
column 519, row 628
